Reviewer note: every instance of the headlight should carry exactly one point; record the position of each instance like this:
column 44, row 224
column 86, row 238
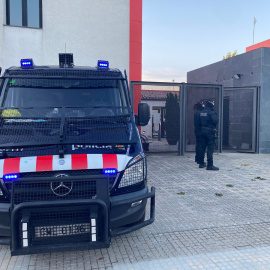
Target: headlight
column 135, row 172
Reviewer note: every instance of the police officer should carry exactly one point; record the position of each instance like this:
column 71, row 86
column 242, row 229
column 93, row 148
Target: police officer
column 199, row 106
column 209, row 120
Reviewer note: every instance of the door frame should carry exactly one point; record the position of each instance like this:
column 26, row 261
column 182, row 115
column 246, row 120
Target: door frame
column 255, row 116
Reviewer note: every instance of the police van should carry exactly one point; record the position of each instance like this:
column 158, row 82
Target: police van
column 73, row 173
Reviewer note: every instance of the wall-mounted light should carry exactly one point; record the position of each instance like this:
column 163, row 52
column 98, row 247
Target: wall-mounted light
column 238, row 76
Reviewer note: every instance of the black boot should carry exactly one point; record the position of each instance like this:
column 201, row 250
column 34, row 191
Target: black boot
column 212, row 168
column 202, row 165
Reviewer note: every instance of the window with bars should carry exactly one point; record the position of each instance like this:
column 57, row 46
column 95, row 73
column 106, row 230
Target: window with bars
column 25, row 13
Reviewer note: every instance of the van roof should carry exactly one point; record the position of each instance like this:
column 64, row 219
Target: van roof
column 56, row 71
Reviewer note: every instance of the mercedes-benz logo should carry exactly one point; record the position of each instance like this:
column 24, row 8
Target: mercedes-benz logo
column 62, row 188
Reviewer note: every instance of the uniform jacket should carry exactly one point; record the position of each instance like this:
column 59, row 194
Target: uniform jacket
column 208, row 118
column 197, row 121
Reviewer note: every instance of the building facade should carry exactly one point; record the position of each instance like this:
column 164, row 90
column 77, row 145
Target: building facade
column 91, row 30
column 246, row 98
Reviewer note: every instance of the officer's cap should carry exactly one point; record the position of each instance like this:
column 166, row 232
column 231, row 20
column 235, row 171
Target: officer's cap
column 200, row 103
column 211, row 101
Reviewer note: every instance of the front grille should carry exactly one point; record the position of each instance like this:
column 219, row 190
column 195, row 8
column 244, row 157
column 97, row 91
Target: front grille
column 53, row 173
column 59, row 188
column 51, row 191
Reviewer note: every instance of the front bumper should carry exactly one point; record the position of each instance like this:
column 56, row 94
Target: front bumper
column 4, row 219
column 59, row 226
column 117, row 204
column 113, row 218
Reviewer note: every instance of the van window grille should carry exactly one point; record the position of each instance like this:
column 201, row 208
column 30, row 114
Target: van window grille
column 67, row 125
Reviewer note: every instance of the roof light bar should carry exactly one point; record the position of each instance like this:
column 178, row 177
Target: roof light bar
column 27, row 63
column 102, row 64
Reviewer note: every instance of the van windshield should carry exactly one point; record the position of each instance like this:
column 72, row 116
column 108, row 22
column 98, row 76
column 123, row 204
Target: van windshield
column 64, row 93
column 51, row 111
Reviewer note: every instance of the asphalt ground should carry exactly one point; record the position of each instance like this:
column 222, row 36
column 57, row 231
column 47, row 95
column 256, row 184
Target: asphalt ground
column 204, row 220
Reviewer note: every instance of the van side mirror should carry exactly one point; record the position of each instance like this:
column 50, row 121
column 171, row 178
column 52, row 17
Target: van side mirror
column 143, row 114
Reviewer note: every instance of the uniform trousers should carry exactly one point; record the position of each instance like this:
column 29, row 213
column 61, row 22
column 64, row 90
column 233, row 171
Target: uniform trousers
column 207, row 142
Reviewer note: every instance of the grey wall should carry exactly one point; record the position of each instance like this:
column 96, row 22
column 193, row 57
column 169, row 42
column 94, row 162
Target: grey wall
column 248, row 64
column 254, row 66
column 264, row 131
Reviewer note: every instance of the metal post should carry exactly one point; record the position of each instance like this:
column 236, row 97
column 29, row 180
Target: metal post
column 220, row 129
column 182, row 119
column 257, row 148
column 132, row 93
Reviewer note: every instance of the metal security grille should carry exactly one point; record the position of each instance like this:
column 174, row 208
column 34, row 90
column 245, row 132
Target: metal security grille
column 240, row 118
column 74, row 125
column 46, row 222
column 66, row 59
column 56, row 188
column 62, row 189
column 52, row 173
column 195, row 93
column 170, row 122
column 134, row 174
column 52, row 226
column 64, row 73
column 47, row 227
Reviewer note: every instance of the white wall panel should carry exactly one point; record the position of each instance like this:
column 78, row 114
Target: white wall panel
column 90, row 29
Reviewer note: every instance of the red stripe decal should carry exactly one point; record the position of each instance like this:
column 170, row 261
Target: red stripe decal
column 11, row 165
column 79, row 161
column 110, row 161
column 44, row 163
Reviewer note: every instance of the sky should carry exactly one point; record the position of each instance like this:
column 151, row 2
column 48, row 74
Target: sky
column 183, row 35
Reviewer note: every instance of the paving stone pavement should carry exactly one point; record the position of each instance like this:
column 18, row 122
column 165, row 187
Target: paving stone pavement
column 204, row 220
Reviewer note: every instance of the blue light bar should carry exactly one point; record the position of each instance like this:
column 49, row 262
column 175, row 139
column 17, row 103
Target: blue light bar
column 11, row 176
column 27, row 63
column 103, row 64
column 110, row 171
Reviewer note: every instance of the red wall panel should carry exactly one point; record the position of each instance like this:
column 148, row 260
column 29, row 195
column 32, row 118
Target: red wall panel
column 135, row 48
column 265, row 43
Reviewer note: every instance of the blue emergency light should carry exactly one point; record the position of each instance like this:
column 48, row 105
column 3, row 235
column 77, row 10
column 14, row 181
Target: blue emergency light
column 27, row 63
column 109, row 171
column 11, row 176
column 103, row 64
